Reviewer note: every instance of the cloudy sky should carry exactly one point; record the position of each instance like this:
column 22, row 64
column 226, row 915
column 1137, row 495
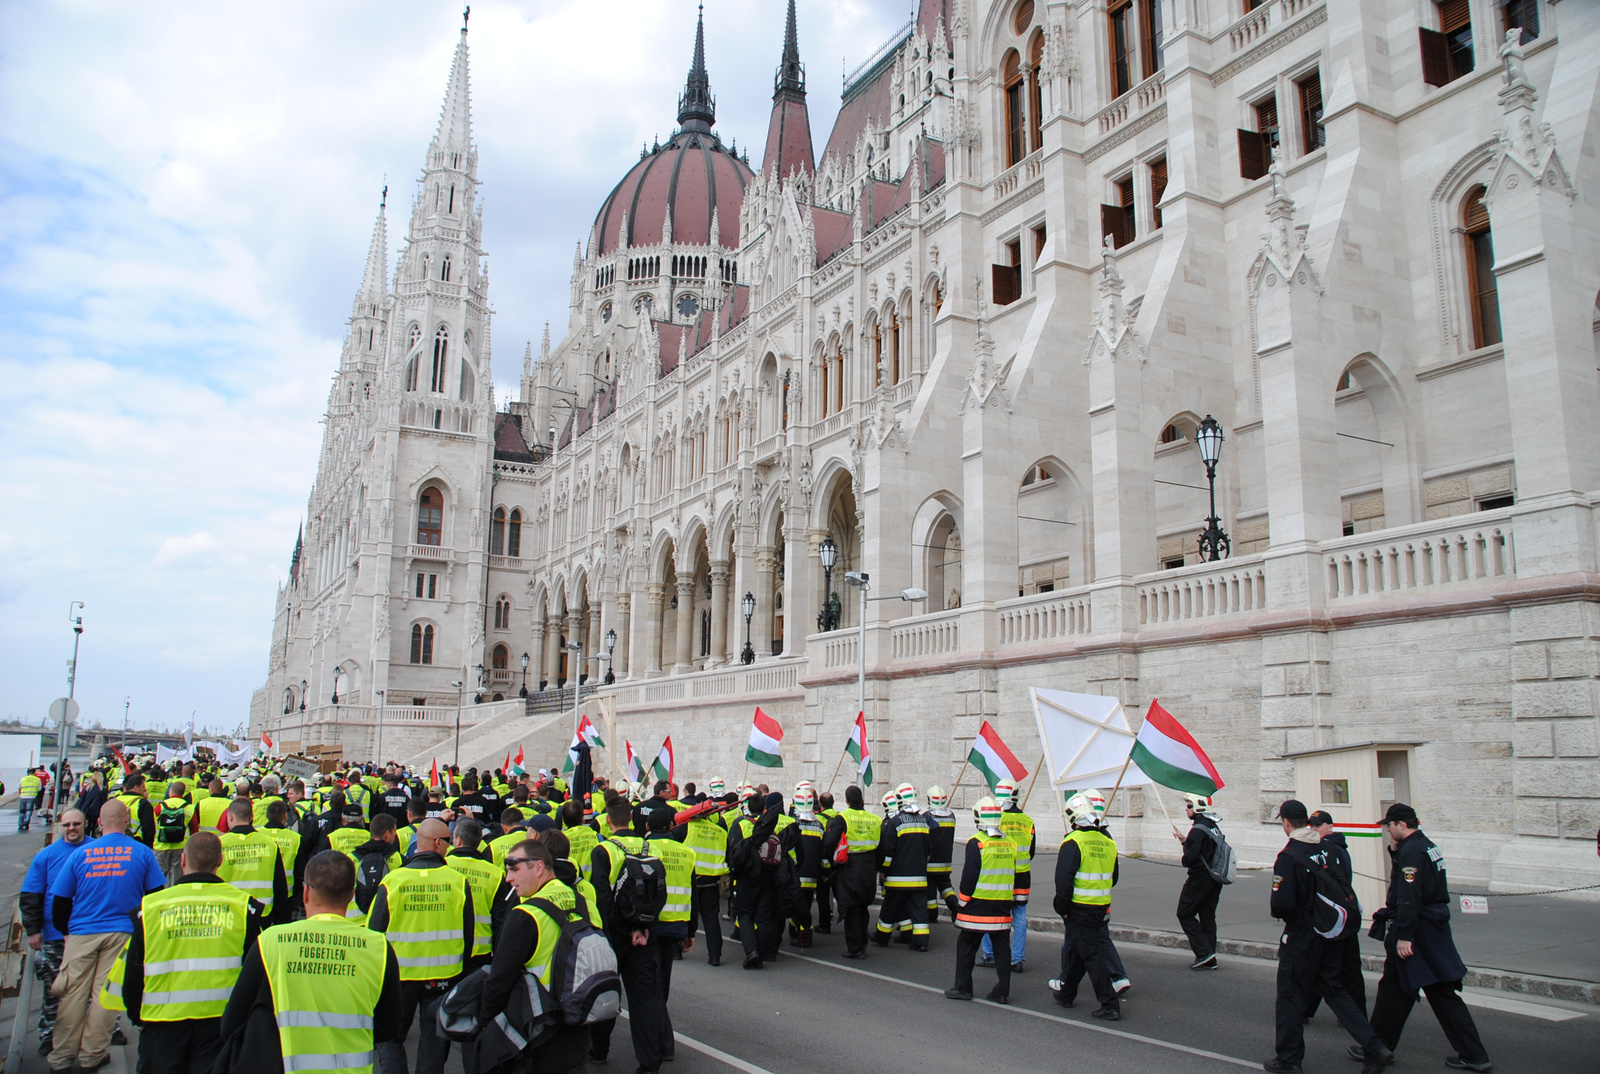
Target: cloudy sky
column 188, row 193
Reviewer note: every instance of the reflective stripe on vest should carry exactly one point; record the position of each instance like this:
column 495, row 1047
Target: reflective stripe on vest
column 29, row 787
column 194, row 948
column 997, row 857
column 485, row 881
column 617, row 848
column 211, row 810
column 425, row 912
column 1018, row 827
column 288, row 841
column 132, row 802
column 1092, row 886
column 249, row 863
column 709, row 841
column 679, row 861
column 326, row 976
column 581, row 841
column 863, row 830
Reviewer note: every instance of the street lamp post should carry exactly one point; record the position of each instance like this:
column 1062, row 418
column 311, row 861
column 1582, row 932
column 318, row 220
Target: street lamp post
column 749, row 607
column 863, row 581
column 524, row 691
column 303, row 685
column 66, row 715
column 611, row 656
column 126, row 701
column 576, row 648
column 458, row 684
column 1214, row 544
column 335, row 699
column 828, row 553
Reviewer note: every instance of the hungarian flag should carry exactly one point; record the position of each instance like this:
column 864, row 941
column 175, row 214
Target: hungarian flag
column 506, row 767
column 662, row 768
column 635, row 766
column 266, row 742
column 1169, row 755
column 516, row 764
column 766, row 742
column 433, row 773
column 990, row 756
column 588, row 732
column 127, row 769
column 859, row 751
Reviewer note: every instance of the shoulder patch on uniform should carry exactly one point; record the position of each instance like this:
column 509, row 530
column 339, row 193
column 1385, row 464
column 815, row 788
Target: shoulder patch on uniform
column 1410, row 873
column 1277, row 882
column 1436, row 856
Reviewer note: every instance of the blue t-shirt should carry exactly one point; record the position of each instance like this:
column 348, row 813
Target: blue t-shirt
column 42, row 873
column 106, row 881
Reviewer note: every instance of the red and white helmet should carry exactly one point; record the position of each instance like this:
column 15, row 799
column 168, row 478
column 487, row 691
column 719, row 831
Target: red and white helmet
column 908, row 797
column 805, row 801
column 891, row 803
column 938, row 797
column 986, row 812
column 1005, row 792
column 717, row 786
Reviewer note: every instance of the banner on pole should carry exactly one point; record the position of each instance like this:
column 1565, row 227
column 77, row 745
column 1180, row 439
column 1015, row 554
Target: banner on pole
column 1086, row 739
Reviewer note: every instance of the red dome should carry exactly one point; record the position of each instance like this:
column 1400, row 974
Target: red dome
column 696, row 175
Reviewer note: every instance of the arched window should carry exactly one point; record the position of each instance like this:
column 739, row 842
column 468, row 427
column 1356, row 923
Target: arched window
column 1012, row 81
column 514, row 534
column 430, row 516
column 1482, row 291
column 497, row 533
column 444, row 266
column 1120, row 39
column 1035, row 91
column 502, row 615
column 499, row 658
column 441, row 349
column 894, row 346
column 411, row 366
column 422, row 643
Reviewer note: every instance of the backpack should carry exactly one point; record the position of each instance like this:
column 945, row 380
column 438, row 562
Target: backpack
column 1335, row 910
column 171, row 824
column 640, row 893
column 1221, row 862
column 371, row 868
column 770, row 852
column 584, row 982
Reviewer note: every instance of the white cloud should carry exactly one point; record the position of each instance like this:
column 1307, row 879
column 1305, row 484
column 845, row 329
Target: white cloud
column 186, row 195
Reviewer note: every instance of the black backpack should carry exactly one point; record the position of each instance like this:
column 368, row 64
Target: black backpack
column 640, row 893
column 1221, row 862
column 371, row 868
column 584, row 983
column 1335, row 910
column 171, row 824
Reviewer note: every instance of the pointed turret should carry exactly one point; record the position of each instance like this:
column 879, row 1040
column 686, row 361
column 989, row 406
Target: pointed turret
column 455, row 121
column 374, row 280
column 789, row 130
column 697, row 109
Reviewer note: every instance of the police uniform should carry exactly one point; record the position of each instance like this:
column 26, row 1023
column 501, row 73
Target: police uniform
column 903, row 859
column 941, row 852
column 1418, row 910
column 1086, row 871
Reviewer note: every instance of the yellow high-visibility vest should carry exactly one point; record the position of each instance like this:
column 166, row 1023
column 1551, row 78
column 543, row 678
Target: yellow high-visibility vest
column 288, row 841
column 485, row 881
column 326, row 975
column 249, row 863
column 863, row 830
column 679, row 861
column 1092, row 886
column 425, row 914
column 193, row 951
column 709, row 841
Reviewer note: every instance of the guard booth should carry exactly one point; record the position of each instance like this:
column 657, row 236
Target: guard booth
column 1357, row 784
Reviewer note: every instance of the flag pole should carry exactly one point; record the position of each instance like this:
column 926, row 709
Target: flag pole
column 1036, row 768
column 960, row 776
column 1156, row 793
column 836, row 768
column 1113, row 796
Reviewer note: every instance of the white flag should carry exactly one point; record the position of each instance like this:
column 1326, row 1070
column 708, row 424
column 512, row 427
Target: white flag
column 1086, row 740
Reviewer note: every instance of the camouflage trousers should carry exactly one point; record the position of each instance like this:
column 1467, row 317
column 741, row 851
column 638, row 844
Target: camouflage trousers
column 46, row 964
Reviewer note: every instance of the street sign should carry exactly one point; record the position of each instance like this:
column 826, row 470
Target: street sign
column 64, row 710
column 1474, row 904
column 300, row 768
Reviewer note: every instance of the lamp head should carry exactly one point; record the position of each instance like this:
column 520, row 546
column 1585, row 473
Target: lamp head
column 524, row 661
column 456, row 683
column 828, row 553
column 748, row 604
column 1209, row 438
column 611, row 639
column 913, row 594
column 856, row 578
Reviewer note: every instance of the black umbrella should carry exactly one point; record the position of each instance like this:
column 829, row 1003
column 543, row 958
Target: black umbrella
column 582, row 774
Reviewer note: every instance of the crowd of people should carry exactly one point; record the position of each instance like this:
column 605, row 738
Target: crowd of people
column 249, row 922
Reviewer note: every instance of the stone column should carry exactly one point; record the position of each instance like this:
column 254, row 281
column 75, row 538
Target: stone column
column 536, row 655
column 621, row 664
column 552, row 647
column 720, row 572
column 593, row 647
column 656, row 597
column 684, row 660
column 574, row 633
column 761, row 625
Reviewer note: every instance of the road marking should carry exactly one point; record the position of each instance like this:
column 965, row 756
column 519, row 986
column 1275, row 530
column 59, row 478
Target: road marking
column 1248, row 1064
column 716, row 1053
column 1519, row 1006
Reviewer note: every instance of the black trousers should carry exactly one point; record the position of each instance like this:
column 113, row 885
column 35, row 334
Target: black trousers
column 1349, row 973
column 420, row 1003
column 1113, row 956
column 186, row 1047
column 760, row 929
column 825, row 901
column 1394, row 1003
column 1197, row 913
column 647, row 1007
column 940, row 891
column 800, row 923
column 1083, row 951
column 904, row 908
column 855, row 913
column 667, row 949
column 1309, row 965
column 967, row 943
column 705, row 910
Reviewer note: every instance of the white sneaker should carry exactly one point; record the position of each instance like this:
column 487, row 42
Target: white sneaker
column 1054, row 983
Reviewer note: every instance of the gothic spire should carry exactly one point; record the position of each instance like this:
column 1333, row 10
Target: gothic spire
column 373, row 281
column 697, row 109
column 455, row 121
column 789, row 129
column 791, row 76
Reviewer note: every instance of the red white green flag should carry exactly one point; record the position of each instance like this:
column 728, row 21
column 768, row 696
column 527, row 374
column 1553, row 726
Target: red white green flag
column 766, row 742
column 635, row 765
column 1168, row 754
column 663, row 766
column 516, row 764
column 590, row 734
column 860, row 751
column 433, row 773
column 990, row 756
column 1358, row 831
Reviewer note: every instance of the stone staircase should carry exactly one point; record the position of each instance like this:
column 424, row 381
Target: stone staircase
column 542, row 725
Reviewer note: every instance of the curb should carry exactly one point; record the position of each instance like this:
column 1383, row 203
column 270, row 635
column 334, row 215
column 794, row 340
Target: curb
column 1526, row 984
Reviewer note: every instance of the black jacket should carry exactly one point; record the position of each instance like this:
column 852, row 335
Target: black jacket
column 378, row 916
column 1419, row 911
column 1197, row 850
column 1338, row 852
column 513, row 947
column 133, row 976
column 1292, row 884
column 484, row 806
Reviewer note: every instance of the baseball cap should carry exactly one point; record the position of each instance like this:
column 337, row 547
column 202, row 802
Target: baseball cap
column 1292, row 809
column 1399, row 811
column 1321, row 816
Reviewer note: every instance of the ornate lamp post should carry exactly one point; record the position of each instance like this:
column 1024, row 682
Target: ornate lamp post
column 1214, row 543
column 748, row 605
column 611, row 651
column 334, row 700
column 524, row 691
column 302, row 695
column 828, row 618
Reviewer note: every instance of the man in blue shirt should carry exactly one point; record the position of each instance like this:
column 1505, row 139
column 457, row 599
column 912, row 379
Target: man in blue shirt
column 43, row 936
column 93, row 901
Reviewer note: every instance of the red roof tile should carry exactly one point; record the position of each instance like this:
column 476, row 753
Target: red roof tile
column 694, row 173
column 835, row 231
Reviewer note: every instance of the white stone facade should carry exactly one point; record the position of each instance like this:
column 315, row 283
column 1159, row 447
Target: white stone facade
column 1411, row 497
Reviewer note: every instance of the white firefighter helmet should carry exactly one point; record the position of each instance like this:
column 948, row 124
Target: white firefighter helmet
column 907, row 793
column 986, row 812
column 1198, row 802
column 891, row 802
column 1097, row 800
column 1080, row 811
column 718, row 787
column 805, row 801
column 938, row 797
column 1005, row 792
column 746, row 791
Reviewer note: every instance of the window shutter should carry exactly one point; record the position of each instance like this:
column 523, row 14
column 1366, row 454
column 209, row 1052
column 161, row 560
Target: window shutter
column 1003, row 284
column 1252, row 155
column 1435, row 58
column 1158, row 187
column 1113, row 220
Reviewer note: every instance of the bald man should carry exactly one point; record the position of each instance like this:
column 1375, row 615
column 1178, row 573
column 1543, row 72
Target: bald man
column 424, row 898
column 93, row 903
